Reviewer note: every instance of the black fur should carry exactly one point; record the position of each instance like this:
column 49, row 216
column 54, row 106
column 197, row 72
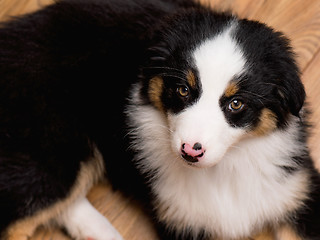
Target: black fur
column 65, row 75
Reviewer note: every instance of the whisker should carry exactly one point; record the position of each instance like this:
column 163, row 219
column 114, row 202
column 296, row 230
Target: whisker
column 257, row 95
column 238, row 149
column 164, row 127
column 167, row 68
column 172, row 75
column 133, row 130
column 254, row 94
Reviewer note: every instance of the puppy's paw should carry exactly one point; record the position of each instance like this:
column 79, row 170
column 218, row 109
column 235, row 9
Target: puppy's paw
column 101, row 230
column 84, row 222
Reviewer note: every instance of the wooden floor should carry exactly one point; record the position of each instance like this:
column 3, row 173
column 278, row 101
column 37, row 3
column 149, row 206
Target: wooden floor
column 298, row 19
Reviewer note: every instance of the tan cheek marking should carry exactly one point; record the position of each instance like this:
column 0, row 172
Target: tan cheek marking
column 231, row 89
column 287, row 233
column 90, row 173
column 191, row 79
column 155, row 91
column 267, row 123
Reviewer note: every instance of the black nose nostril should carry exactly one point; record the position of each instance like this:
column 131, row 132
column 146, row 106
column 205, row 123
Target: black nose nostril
column 192, row 154
column 197, row 146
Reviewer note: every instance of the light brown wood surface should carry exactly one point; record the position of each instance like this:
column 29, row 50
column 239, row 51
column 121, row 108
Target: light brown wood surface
column 298, row 19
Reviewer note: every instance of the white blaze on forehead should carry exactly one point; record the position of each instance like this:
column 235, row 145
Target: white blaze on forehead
column 218, row 60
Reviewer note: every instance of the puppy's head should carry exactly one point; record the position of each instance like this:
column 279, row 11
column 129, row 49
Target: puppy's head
column 218, row 79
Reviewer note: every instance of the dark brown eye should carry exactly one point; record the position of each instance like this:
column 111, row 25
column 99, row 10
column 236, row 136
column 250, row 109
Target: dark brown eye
column 183, row 91
column 235, row 105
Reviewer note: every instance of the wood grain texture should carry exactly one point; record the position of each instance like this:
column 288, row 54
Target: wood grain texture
column 9, row 8
column 298, row 19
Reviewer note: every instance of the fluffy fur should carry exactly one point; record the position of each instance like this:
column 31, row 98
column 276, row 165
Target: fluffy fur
column 200, row 114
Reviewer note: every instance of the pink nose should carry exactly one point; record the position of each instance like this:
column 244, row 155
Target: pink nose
column 192, row 154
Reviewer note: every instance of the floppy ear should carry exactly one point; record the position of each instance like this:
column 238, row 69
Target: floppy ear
column 292, row 93
column 293, row 89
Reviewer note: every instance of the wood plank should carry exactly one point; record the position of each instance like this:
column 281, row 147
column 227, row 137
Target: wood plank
column 299, row 20
column 302, row 27
column 241, row 8
column 311, row 80
column 9, row 8
column 125, row 214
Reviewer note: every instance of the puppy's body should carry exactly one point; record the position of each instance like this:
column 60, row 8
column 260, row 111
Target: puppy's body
column 206, row 105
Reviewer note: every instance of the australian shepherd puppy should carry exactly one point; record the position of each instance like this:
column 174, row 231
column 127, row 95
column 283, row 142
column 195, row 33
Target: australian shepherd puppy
column 199, row 113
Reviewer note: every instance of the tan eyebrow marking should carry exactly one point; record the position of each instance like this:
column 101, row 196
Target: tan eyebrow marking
column 231, row 89
column 155, row 91
column 191, row 79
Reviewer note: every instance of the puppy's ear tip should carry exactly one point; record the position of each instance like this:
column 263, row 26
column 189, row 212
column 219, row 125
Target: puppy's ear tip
column 292, row 94
column 296, row 100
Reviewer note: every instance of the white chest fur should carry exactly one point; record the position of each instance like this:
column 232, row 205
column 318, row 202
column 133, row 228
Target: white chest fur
column 231, row 200
column 244, row 191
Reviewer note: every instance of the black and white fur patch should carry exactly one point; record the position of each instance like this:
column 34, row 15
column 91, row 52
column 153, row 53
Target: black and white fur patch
column 199, row 114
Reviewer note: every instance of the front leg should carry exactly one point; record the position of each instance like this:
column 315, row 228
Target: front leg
column 84, row 222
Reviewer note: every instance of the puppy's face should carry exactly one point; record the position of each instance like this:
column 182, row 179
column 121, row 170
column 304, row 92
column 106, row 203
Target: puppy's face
column 217, row 86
